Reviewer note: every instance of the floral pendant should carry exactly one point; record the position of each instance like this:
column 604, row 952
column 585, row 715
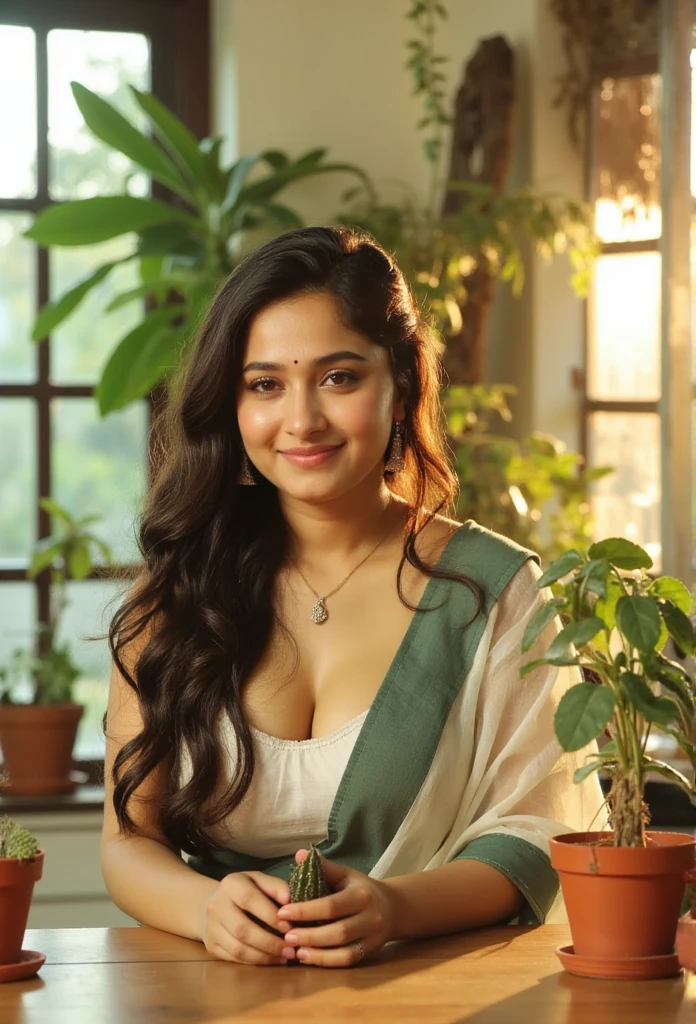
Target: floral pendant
column 319, row 613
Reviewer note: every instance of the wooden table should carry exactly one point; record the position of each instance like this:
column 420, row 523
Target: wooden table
column 498, row 976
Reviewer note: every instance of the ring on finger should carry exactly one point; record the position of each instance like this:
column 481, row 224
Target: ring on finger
column 359, row 944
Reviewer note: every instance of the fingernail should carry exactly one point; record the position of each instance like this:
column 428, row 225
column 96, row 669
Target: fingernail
column 283, row 926
column 292, row 937
column 283, row 961
column 288, row 952
column 302, row 955
column 284, row 913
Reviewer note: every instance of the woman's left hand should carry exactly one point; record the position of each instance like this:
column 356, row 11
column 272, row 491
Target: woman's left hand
column 359, row 914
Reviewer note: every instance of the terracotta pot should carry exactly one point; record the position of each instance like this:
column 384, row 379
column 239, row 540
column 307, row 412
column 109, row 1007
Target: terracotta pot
column 37, row 741
column 17, row 878
column 622, row 902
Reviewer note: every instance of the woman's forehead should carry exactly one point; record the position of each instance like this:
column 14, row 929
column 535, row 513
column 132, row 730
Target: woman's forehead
column 302, row 329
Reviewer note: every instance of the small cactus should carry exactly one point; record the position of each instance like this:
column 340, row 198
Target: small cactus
column 16, row 842
column 307, row 881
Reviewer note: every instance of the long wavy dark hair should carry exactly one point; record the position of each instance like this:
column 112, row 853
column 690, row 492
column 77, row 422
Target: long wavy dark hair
column 211, row 549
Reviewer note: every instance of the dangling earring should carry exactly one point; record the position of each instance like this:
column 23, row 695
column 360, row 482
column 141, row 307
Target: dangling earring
column 245, row 479
column 395, row 462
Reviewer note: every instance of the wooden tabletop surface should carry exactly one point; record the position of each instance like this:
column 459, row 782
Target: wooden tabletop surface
column 497, row 976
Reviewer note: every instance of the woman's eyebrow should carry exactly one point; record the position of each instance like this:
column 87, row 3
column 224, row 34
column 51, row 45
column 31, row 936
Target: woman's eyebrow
column 332, row 357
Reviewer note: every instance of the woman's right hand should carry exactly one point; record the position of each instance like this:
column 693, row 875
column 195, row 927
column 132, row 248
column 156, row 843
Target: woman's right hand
column 230, row 934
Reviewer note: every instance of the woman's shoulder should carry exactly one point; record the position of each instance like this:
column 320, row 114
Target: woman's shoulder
column 470, row 545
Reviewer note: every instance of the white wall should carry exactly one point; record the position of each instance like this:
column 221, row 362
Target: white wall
column 297, row 74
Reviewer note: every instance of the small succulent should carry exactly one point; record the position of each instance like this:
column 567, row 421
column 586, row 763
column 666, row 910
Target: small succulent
column 16, row 842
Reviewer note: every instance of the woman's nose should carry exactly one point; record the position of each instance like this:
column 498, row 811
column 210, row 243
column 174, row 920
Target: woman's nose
column 305, row 415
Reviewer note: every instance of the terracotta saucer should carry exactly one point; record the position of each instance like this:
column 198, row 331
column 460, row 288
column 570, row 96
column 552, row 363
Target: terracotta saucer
column 26, row 967
column 621, row 969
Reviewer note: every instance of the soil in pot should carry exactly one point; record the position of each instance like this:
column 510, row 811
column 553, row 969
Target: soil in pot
column 623, row 903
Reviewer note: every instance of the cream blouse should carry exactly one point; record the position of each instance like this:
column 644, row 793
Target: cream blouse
column 295, row 782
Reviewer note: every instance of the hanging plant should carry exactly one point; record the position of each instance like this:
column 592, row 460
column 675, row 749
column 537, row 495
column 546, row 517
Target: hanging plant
column 600, row 34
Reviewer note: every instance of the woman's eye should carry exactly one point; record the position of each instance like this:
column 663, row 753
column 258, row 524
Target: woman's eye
column 262, row 386
column 339, row 378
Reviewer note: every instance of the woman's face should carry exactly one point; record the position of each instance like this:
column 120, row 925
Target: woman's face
column 316, row 400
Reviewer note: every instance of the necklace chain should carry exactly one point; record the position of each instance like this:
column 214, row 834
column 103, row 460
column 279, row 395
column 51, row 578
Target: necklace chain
column 319, row 612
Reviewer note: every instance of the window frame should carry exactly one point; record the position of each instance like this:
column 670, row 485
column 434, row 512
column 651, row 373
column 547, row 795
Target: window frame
column 674, row 561
column 179, row 36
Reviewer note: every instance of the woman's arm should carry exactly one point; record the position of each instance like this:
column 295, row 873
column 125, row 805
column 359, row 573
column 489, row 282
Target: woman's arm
column 463, row 895
column 144, row 875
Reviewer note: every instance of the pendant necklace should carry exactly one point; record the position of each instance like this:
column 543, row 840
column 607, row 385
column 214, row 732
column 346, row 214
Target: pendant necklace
column 319, row 612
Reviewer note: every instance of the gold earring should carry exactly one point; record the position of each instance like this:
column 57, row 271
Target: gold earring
column 245, row 479
column 395, row 461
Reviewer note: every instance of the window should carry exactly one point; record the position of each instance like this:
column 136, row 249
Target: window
column 624, row 407
column 53, row 441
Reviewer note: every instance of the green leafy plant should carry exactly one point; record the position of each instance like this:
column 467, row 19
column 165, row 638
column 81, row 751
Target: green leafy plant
column 16, row 841
column 185, row 246
column 534, row 491
column 438, row 252
column 68, row 554
column 617, row 622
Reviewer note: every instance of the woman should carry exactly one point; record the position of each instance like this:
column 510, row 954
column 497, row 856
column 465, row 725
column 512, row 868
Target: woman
column 314, row 653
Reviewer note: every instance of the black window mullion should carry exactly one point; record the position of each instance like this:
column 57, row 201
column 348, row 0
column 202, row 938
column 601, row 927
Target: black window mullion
column 43, row 410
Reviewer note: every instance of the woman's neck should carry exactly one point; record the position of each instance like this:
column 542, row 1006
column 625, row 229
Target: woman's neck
column 335, row 532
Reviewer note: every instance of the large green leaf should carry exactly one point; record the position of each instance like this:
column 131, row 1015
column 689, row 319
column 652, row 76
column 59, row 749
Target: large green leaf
column 659, row 710
column 266, row 188
column 561, row 567
column 238, row 174
column 180, row 142
column 84, row 221
column 679, row 626
column 562, row 659
column 639, row 620
column 669, row 773
column 605, row 608
column 170, row 240
column 576, row 633
column 139, row 361
column 671, row 589
column 582, row 714
column 79, row 560
column 53, row 313
column 111, row 127
column 539, row 621
column 622, row 553
column 46, row 552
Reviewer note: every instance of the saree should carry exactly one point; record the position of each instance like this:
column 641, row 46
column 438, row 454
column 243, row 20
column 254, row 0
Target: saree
column 457, row 757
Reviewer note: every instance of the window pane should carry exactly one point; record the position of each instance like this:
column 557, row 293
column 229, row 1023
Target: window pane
column 628, row 159
column 105, row 62
column 17, row 618
column 17, row 300
column 81, row 345
column 623, row 358
column 99, row 466
column 627, row 503
column 17, row 481
column 17, row 112
column 91, row 605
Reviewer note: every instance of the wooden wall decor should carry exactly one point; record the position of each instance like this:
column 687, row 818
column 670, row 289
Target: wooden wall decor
column 482, row 144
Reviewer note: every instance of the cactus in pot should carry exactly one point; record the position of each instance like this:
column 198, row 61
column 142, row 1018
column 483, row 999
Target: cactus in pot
column 21, row 865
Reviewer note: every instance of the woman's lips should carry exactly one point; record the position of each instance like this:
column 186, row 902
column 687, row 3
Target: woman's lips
column 309, row 457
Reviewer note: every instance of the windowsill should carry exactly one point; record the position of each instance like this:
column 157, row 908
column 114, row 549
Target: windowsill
column 85, row 798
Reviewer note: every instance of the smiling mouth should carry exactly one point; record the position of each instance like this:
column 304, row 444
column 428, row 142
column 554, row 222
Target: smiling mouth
column 314, row 456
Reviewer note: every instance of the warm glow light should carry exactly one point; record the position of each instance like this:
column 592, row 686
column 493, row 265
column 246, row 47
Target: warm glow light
column 628, row 220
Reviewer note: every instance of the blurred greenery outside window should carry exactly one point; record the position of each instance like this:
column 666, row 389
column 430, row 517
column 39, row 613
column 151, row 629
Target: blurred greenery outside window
column 53, row 441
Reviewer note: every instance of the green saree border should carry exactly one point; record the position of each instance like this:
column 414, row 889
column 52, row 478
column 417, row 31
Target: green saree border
column 402, row 730
column 524, row 864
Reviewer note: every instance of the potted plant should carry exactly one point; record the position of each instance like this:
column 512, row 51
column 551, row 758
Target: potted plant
column 21, row 865
column 37, row 734
column 623, row 888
